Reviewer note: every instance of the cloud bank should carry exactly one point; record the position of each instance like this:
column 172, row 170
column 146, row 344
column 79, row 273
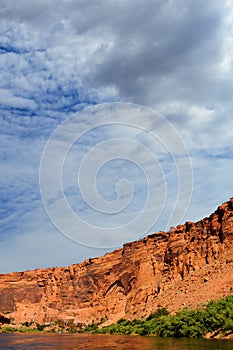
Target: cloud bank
column 62, row 56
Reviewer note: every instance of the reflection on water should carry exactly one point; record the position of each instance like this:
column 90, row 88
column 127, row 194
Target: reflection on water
column 105, row 342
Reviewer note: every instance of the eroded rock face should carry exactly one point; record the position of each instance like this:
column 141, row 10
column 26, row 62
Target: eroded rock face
column 179, row 268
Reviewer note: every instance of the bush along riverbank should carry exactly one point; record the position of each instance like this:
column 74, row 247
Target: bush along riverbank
column 214, row 321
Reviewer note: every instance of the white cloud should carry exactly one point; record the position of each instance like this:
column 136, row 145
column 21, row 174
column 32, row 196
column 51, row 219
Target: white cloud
column 58, row 57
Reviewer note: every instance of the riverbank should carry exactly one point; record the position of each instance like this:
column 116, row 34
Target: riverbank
column 214, row 321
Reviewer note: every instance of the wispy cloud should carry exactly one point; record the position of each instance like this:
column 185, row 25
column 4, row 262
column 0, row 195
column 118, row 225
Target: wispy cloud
column 58, row 57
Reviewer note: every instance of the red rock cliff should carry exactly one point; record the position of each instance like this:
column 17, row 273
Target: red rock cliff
column 186, row 266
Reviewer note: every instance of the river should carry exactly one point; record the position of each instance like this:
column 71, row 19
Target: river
column 50, row 341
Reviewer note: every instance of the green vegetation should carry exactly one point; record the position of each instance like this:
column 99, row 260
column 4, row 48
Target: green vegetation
column 215, row 318
column 27, row 324
column 8, row 329
column 12, row 329
column 24, row 328
column 40, row 327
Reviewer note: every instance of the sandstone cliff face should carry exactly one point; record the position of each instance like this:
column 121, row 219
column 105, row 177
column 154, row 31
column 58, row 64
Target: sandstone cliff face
column 186, row 266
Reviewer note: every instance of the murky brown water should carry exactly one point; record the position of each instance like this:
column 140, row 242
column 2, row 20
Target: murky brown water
column 105, row 342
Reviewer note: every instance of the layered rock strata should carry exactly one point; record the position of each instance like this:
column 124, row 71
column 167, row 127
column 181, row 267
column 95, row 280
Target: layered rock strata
column 186, row 266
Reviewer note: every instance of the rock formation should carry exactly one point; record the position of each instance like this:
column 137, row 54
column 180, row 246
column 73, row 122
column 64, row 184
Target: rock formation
column 186, row 266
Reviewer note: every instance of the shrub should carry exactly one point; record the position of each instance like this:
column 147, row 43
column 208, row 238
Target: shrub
column 40, row 327
column 187, row 323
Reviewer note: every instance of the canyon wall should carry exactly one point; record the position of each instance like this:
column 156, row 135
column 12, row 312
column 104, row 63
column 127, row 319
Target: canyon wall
column 186, row 266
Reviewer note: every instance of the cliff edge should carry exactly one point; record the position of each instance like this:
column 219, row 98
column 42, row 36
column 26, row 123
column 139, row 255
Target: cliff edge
column 187, row 266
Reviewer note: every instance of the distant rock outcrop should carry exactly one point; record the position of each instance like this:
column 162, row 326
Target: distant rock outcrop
column 186, row 266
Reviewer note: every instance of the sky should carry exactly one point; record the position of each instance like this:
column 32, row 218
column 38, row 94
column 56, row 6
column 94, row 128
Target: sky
column 115, row 122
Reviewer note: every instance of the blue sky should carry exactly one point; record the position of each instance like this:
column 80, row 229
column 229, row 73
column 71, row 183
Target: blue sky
column 59, row 57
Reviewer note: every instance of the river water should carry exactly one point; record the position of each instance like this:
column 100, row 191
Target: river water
column 105, row 342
